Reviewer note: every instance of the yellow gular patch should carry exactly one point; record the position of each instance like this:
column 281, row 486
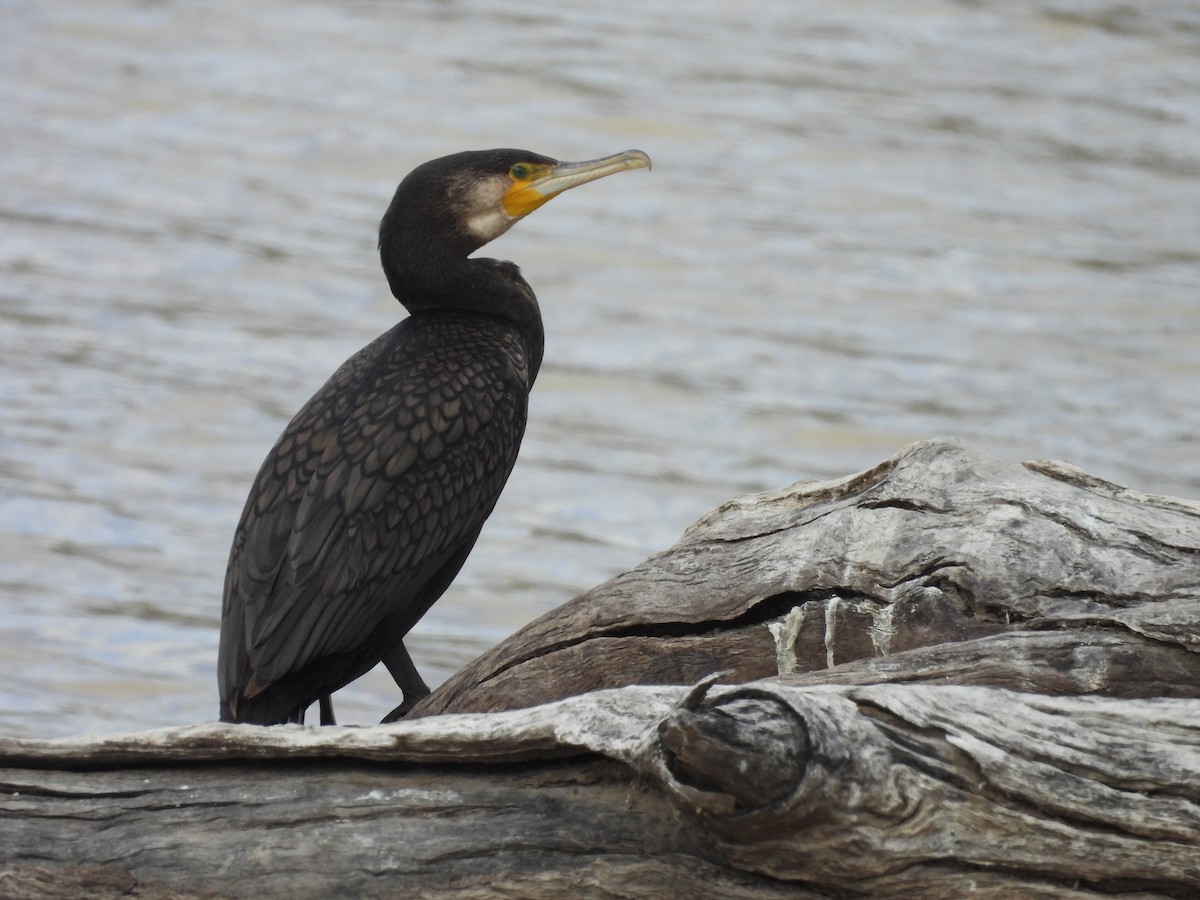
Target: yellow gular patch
column 524, row 196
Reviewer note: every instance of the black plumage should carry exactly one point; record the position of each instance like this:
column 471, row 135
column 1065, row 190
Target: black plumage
column 370, row 502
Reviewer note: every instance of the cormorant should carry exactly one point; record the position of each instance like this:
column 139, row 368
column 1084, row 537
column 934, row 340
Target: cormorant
column 369, row 503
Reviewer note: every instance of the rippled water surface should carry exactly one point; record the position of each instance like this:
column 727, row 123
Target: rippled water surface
column 866, row 225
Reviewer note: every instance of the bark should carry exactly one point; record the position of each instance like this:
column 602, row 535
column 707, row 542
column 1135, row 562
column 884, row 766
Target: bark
column 944, row 676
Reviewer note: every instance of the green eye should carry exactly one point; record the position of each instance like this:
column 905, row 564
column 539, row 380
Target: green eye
column 519, row 172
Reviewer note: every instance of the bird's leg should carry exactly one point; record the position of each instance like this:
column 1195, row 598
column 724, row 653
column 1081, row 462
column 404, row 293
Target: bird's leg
column 327, row 710
column 400, row 664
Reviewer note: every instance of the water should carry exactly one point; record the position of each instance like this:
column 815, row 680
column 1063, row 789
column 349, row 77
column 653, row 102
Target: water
column 866, row 225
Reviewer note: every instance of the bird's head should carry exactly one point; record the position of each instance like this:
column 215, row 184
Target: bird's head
column 450, row 207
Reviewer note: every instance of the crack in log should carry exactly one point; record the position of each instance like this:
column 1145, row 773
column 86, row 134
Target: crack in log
column 1067, row 524
column 1112, row 601
column 949, row 765
column 33, row 790
column 1165, row 545
column 1024, row 882
column 1148, row 547
column 907, row 504
column 799, row 521
column 765, row 610
column 193, row 804
column 1153, row 548
column 924, row 573
column 768, row 609
column 1110, row 490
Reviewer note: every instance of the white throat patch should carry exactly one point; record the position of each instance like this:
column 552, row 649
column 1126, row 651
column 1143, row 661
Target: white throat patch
column 484, row 209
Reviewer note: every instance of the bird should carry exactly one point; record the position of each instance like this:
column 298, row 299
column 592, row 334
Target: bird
column 369, row 503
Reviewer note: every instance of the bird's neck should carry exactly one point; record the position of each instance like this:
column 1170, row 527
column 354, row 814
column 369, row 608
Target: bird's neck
column 488, row 286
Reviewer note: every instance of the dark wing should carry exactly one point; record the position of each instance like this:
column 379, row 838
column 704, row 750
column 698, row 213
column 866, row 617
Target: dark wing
column 378, row 481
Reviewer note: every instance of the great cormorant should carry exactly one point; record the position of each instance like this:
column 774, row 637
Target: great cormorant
column 368, row 505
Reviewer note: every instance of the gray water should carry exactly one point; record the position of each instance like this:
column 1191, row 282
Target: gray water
column 868, row 223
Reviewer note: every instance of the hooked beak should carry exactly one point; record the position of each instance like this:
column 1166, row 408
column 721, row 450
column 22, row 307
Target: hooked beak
column 548, row 181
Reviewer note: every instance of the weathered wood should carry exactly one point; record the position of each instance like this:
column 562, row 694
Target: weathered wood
column 890, row 789
column 1070, row 584
column 944, row 676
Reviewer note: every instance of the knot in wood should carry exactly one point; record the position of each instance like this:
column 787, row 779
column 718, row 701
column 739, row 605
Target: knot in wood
column 753, row 748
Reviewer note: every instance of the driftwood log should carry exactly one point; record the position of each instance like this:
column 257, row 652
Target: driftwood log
column 945, row 676
column 941, row 565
